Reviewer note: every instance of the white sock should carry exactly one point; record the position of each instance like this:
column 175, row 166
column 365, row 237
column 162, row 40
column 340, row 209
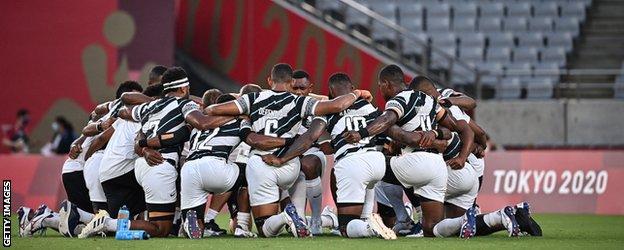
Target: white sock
column 493, row 219
column 274, row 224
column 52, row 222
column 369, row 203
column 85, row 216
column 448, row 227
column 358, row 229
column 242, row 220
column 284, row 194
column 111, row 225
column 394, row 193
column 298, row 194
column 210, row 215
column 314, row 191
column 327, row 221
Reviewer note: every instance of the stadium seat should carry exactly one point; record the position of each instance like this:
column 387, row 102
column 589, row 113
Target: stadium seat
column 383, row 33
column 443, row 39
column 567, row 24
column 518, row 9
column 545, row 9
column 490, row 24
column 501, row 40
column 518, row 69
column 471, row 54
column 531, row 40
column 472, row 39
column 438, row 61
column 491, row 9
column 354, row 18
column 498, row 54
column 439, row 10
column 411, row 48
column 508, row 88
column 492, row 73
column 573, row 9
column 554, row 55
column 387, row 10
column 542, row 24
column 410, row 11
column 464, row 9
column 547, row 70
column 330, row 5
column 525, row 54
column 562, row 40
column 464, row 24
column 515, row 24
column 539, row 88
column 618, row 88
column 462, row 75
column 438, row 24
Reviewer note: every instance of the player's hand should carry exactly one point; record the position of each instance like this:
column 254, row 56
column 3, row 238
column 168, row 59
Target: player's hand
column 445, row 102
column 152, row 157
column 456, row 163
column 272, row 160
column 75, row 150
column 351, row 136
column 365, row 94
column 478, row 151
column 426, row 139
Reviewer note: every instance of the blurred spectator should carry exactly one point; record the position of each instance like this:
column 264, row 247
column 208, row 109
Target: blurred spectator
column 62, row 138
column 15, row 137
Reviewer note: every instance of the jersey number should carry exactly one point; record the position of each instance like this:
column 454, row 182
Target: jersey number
column 203, row 145
column 354, row 123
column 269, row 127
column 425, row 122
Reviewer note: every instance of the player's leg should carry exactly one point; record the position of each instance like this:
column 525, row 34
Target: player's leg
column 124, row 190
column 312, row 166
column 298, row 194
column 92, row 180
column 217, row 202
column 503, row 219
column 193, row 197
column 355, row 176
column 76, row 189
column 71, row 217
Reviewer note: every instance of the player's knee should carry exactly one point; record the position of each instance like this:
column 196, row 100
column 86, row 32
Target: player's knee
column 310, row 167
column 343, row 221
column 260, row 223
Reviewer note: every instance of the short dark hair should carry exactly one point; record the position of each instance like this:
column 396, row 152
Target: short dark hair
column 128, row 86
column 421, row 81
column 153, row 90
column 339, row 79
column 64, row 123
column 156, row 72
column 392, row 73
column 250, row 88
column 300, row 74
column 22, row 112
column 281, row 73
column 225, row 98
column 172, row 74
column 211, row 94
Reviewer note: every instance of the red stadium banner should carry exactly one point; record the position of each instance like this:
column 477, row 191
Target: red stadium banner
column 553, row 181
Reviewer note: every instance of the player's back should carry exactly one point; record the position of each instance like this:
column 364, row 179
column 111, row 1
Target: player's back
column 416, row 111
column 218, row 142
column 355, row 117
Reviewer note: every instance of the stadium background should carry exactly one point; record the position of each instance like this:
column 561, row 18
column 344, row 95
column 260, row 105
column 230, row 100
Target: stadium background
column 564, row 150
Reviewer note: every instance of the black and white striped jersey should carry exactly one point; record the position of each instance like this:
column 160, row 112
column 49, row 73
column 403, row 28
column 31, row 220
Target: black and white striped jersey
column 453, row 147
column 457, row 112
column 218, row 142
column 276, row 114
column 415, row 111
column 163, row 116
column 354, row 118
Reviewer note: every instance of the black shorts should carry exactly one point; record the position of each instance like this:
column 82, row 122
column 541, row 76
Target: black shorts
column 76, row 190
column 124, row 190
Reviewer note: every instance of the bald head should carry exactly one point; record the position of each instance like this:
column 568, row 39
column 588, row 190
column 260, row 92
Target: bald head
column 250, row 88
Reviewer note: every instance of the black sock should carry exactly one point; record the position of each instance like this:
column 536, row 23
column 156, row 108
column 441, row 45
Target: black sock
column 483, row 228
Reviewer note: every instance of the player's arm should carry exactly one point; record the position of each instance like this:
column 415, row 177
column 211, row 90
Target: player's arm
column 227, row 108
column 101, row 109
column 152, row 156
column 126, row 113
column 480, row 136
column 264, row 142
column 379, row 125
column 76, row 147
column 465, row 134
column 300, row 145
column 167, row 140
column 339, row 103
column 99, row 141
column 204, row 122
column 412, row 138
column 463, row 101
column 134, row 98
column 94, row 128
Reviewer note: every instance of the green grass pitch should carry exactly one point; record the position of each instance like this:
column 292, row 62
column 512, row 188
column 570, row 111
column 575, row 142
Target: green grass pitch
column 560, row 232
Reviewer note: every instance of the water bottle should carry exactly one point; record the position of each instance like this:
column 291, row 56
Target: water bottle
column 123, row 219
column 131, row 235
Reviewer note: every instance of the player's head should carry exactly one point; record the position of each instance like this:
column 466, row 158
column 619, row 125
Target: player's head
column 281, row 73
column 175, row 81
column 128, row 86
column 225, row 98
column 390, row 81
column 156, row 74
column 154, row 90
column 250, row 88
column 301, row 84
column 339, row 84
column 210, row 96
column 424, row 84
